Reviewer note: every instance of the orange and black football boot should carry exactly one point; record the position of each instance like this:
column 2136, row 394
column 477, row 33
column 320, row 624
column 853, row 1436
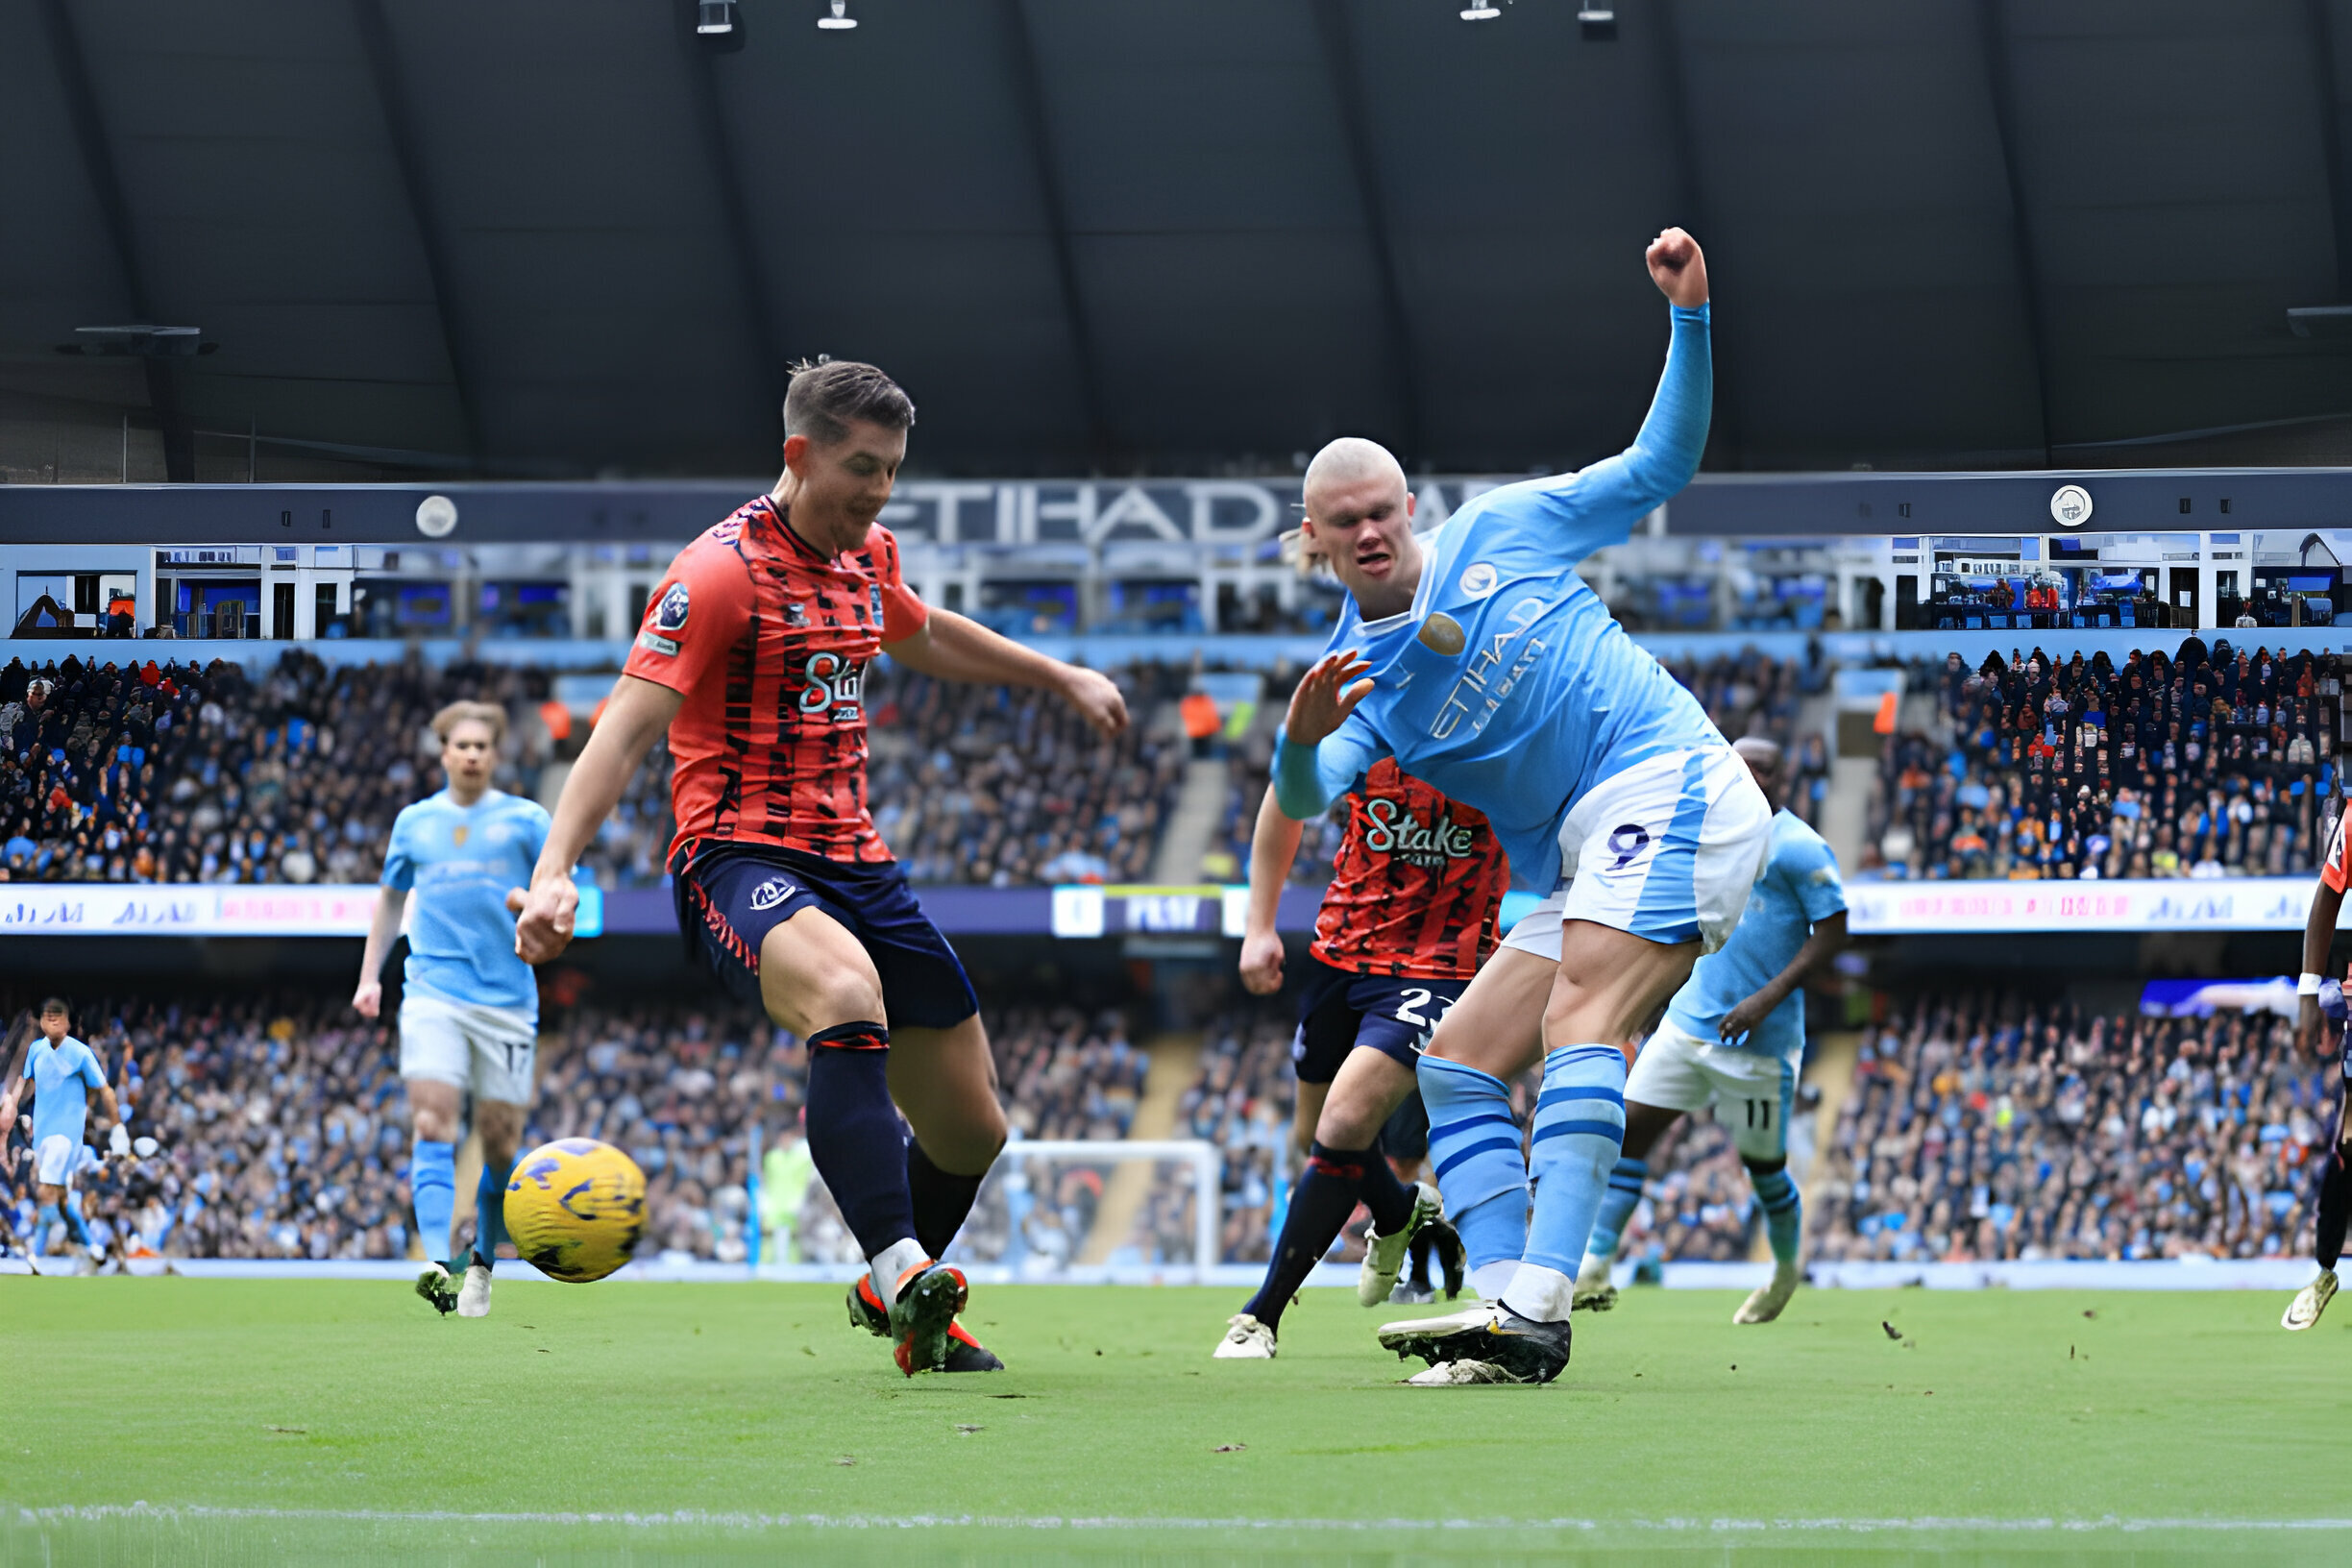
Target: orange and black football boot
column 964, row 1354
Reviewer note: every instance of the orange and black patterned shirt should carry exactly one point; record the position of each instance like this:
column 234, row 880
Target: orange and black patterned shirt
column 768, row 642
column 1416, row 889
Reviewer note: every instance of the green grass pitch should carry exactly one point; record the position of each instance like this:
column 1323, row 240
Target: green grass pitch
column 320, row 1421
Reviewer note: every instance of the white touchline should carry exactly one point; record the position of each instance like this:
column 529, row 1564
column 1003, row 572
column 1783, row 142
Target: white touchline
column 696, row 1519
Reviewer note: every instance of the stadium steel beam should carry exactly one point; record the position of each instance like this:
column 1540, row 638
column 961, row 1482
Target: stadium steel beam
column 72, row 68
column 1993, row 29
column 1673, row 93
column 2320, row 43
column 1029, row 91
column 1339, row 64
column 743, row 244
column 408, row 155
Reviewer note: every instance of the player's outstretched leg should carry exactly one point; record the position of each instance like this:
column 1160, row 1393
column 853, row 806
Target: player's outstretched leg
column 1474, row 1144
column 2327, row 1241
column 1595, row 1288
column 432, row 1194
column 501, row 1125
column 1784, row 1227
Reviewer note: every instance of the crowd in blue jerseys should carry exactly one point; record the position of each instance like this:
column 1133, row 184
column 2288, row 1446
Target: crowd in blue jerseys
column 2214, row 761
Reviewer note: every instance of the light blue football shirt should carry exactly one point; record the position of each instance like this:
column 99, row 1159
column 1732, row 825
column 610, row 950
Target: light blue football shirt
column 62, row 1078
column 460, row 861
column 1508, row 685
column 1800, row 886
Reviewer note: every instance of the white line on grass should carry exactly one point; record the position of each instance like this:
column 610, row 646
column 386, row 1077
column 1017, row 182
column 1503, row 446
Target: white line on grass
column 699, row 1520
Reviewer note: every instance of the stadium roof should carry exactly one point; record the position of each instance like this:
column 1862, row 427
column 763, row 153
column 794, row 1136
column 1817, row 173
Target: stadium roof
column 542, row 237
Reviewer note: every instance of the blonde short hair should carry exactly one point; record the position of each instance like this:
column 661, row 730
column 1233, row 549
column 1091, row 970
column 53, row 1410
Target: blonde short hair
column 457, row 713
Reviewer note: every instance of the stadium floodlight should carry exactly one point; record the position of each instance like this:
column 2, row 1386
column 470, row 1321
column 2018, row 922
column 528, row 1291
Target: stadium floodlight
column 1598, row 18
column 840, row 20
column 717, row 19
column 1481, row 13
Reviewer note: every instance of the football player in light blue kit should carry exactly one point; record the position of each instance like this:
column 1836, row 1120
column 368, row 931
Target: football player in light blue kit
column 60, row 1073
column 1484, row 665
column 1733, row 1038
column 468, row 1018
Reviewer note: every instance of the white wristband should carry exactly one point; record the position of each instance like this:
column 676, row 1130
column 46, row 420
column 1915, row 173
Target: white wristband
column 2307, row 984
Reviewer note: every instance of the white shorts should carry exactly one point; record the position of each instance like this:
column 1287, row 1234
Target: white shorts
column 1667, row 850
column 56, row 1159
column 1753, row 1091
column 489, row 1050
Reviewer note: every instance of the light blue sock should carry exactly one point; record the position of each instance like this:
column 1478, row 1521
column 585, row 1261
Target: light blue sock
column 1783, row 1211
column 490, row 1210
column 1625, row 1191
column 76, row 1227
column 1474, row 1144
column 433, row 1188
column 1579, row 1131
column 44, row 1227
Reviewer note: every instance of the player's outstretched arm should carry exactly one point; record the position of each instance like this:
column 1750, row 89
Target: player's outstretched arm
column 383, row 930
column 1598, row 506
column 1273, row 847
column 635, row 716
column 956, row 647
column 1828, row 939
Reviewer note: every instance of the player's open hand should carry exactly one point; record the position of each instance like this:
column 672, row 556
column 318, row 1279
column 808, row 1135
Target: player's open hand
column 544, row 926
column 1097, row 698
column 368, row 1000
column 1262, row 963
column 1325, row 696
column 1678, row 268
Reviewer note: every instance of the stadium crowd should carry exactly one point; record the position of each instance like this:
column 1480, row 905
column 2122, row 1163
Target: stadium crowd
column 2205, row 763
column 279, row 1121
column 1979, row 1129
column 162, row 772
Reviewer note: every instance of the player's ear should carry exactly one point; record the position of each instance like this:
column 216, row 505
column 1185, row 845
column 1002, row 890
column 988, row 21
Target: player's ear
column 795, row 454
column 1410, row 502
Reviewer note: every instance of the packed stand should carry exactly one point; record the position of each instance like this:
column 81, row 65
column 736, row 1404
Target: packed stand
column 173, row 773
column 1980, row 1129
column 281, row 1128
column 2217, row 763
column 1745, row 694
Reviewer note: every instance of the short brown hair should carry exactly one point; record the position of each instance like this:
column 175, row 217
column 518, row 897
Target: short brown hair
column 827, row 394
column 457, row 713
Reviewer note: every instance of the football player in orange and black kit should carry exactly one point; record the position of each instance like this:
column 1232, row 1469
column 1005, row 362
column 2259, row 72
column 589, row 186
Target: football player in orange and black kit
column 1413, row 910
column 751, row 656
column 2319, row 1026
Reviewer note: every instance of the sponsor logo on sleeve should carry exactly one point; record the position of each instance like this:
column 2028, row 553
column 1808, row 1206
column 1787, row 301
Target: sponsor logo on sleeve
column 654, row 643
column 671, row 615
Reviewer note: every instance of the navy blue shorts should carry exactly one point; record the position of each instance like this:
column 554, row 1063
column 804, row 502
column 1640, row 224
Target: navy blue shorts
column 1341, row 1010
column 727, row 903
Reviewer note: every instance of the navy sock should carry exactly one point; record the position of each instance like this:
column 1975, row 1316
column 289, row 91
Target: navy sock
column 2335, row 1202
column 1422, row 1273
column 942, row 1200
column 854, row 1137
column 1319, row 1207
column 490, row 1211
column 1390, row 1201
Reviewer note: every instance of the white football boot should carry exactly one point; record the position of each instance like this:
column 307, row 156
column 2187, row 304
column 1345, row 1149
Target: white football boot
column 1385, row 1256
column 2310, row 1301
column 1765, row 1301
column 1246, row 1339
column 474, row 1296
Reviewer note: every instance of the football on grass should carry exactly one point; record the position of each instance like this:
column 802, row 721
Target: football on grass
column 575, row 1209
